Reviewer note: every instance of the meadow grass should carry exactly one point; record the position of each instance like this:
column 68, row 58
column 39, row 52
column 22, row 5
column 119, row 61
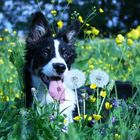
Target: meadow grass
column 121, row 62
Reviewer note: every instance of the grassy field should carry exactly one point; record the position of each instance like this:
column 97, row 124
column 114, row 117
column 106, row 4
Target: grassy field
column 119, row 57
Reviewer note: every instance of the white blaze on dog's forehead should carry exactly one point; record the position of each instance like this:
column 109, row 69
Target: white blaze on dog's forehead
column 56, row 46
column 57, row 58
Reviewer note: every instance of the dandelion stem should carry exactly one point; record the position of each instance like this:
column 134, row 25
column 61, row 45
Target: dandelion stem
column 101, row 106
column 84, row 106
column 77, row 102
column 97, row 99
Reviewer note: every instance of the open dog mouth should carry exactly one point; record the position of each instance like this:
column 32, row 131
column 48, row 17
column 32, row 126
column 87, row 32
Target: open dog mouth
column 55, row 86
column 46, row 80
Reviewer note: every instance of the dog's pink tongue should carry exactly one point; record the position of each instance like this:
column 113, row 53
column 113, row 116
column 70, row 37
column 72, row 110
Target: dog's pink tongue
column 56, row 90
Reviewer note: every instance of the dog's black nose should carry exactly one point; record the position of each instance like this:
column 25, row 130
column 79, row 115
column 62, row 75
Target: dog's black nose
column 59, row 67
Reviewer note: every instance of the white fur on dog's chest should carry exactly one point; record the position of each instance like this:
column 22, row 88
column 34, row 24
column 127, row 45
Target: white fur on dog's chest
column 67, row 107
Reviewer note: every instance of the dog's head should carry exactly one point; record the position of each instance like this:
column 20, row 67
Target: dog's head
column 47, row 56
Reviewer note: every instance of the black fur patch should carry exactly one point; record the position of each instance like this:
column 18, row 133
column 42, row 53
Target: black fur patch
column 40, row 49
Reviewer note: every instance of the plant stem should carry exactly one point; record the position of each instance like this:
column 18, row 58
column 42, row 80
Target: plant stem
column 77, row 103
column 101, row 106
column 84, row 106
column 97, row 99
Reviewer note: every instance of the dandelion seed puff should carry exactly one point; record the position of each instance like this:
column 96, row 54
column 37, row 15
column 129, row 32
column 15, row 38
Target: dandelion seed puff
column 99, row 77
column 74, row 78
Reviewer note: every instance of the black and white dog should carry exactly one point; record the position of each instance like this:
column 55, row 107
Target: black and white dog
column 48, row 59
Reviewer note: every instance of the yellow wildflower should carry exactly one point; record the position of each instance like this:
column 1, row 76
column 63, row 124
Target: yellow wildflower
column 94, row 31
column 9, row 50
column 14, row 32
column 117, row 136
column 108, row 105
column 53, row 12
column 93, row 86
column 88, row 32
column 1, row 38
column 69, row 1
column 91, row 66
column 1, row 92
column 5, row 98
column 119, row 39
column 130, row 42
column 17, row 95
column 92, row 99
column 97, row 117
column 135, row 34
column 101, row 10
column 10, row 80
column 89, row 117
column 1, row 61
column 12, row 44
column 65, row 121
column 6, row 30
column 103, row 94
column 129, row 35
column 60, row 24
column 80, row 19
column 77, row 118
column 138, row 28
column 87, row 25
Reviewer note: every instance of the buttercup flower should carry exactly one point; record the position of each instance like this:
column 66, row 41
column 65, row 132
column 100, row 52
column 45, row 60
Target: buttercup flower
column 89, row 117
column 12, row 44
column 69, row 1
column 88, row 32
column 93, row 86
column 9, row 50
column 103, row 94
column 119, row 39
column 60, row 24
column 94, row 31
column 117, row 136
column 1, row 92
column 1, row 39
column 53, row 12
column 92, row 99
column 135, row 34
column 80, row 19
column 17, row 95
column 108, row 105
column 130, row 42
column 14, row 32
column 101, row 10
column 74, row 78
column 6, row 30
column 77, row 118
column 99, row 77
column 97, row 117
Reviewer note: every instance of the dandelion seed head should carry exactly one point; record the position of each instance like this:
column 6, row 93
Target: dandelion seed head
column 74, row 78
column 99, row 77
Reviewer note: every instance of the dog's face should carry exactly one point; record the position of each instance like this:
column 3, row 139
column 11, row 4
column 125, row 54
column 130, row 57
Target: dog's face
column 50, row 57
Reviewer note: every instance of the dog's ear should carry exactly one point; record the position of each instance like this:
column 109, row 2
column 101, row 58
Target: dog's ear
column 39, row 27
column 72, row 32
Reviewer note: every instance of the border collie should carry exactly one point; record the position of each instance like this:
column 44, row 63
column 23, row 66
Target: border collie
column 48, row 59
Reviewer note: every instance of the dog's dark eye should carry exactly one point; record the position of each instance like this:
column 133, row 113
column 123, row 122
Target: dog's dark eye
column 45, row 53
column 66, row 55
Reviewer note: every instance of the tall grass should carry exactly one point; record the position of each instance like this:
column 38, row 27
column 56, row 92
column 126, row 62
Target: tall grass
column 122, row 122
